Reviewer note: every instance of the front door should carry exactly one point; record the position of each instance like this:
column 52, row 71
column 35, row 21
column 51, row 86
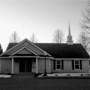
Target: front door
column 25, row 65
column 28, row 65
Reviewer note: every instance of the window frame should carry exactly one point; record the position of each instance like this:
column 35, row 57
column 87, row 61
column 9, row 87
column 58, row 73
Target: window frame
column 60, row 64
column 76, row 64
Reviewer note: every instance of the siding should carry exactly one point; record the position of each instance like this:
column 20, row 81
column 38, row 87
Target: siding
column 6, row 66
column 48, row 66
column 41, row 65
column 68, row 67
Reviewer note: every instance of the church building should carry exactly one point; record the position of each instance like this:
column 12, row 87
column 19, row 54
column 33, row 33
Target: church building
column 26, row 56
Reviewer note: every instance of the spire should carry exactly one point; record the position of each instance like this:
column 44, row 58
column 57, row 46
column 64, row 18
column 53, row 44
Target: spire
column 69, row 37
column 69, row 30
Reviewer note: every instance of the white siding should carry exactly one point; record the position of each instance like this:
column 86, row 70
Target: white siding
column 68, row 67
column 48, row 66
column 6, row 66
column 41, row 65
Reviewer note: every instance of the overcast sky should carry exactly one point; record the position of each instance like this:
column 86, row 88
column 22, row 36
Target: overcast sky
column 41, row 17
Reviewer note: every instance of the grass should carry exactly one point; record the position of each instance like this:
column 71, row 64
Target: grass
column 44, row 84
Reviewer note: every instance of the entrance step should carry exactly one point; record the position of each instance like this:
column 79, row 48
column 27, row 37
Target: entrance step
column 23, row 75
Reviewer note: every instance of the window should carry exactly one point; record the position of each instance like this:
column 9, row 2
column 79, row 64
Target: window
column 58, row 64
column 77, row 64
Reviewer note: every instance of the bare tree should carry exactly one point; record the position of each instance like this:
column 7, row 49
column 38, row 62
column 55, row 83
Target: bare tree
column 58, row 36
column 84, row 40
column 84, row 37
column 85, row 22
column 14, row 37
column 33, row 38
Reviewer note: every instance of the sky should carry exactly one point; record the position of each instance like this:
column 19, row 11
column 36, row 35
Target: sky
column 41, row 17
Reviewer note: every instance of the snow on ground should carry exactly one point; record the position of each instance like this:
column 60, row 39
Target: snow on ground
column 68, row 74
column 54, row 75
column 5, row 76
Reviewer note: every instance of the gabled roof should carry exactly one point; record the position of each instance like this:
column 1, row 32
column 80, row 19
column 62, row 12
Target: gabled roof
column 13, row 48
column 10, row 45
column 64, row 50
column 61, row 50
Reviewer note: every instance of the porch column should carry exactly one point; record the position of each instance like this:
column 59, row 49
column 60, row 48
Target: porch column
column 49, row 65
column 12, row 66
column 36, row 65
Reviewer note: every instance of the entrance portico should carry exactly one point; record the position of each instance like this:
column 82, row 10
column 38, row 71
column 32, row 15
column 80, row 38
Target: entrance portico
column 24, row 57
column 24, row 64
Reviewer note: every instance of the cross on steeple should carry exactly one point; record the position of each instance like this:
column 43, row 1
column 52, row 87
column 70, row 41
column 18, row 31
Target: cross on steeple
column 69, row 37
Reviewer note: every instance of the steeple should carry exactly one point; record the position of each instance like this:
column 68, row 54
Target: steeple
column 69, row 37
column 69, row 34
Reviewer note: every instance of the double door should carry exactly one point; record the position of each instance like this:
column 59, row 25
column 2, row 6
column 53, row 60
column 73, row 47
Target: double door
column 25, row 65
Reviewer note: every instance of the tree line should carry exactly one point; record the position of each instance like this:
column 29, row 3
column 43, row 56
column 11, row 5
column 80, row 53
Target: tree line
column 15, row 38
column 57, row 37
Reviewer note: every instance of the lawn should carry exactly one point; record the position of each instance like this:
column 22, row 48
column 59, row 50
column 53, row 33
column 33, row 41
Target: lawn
column 44, row 84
